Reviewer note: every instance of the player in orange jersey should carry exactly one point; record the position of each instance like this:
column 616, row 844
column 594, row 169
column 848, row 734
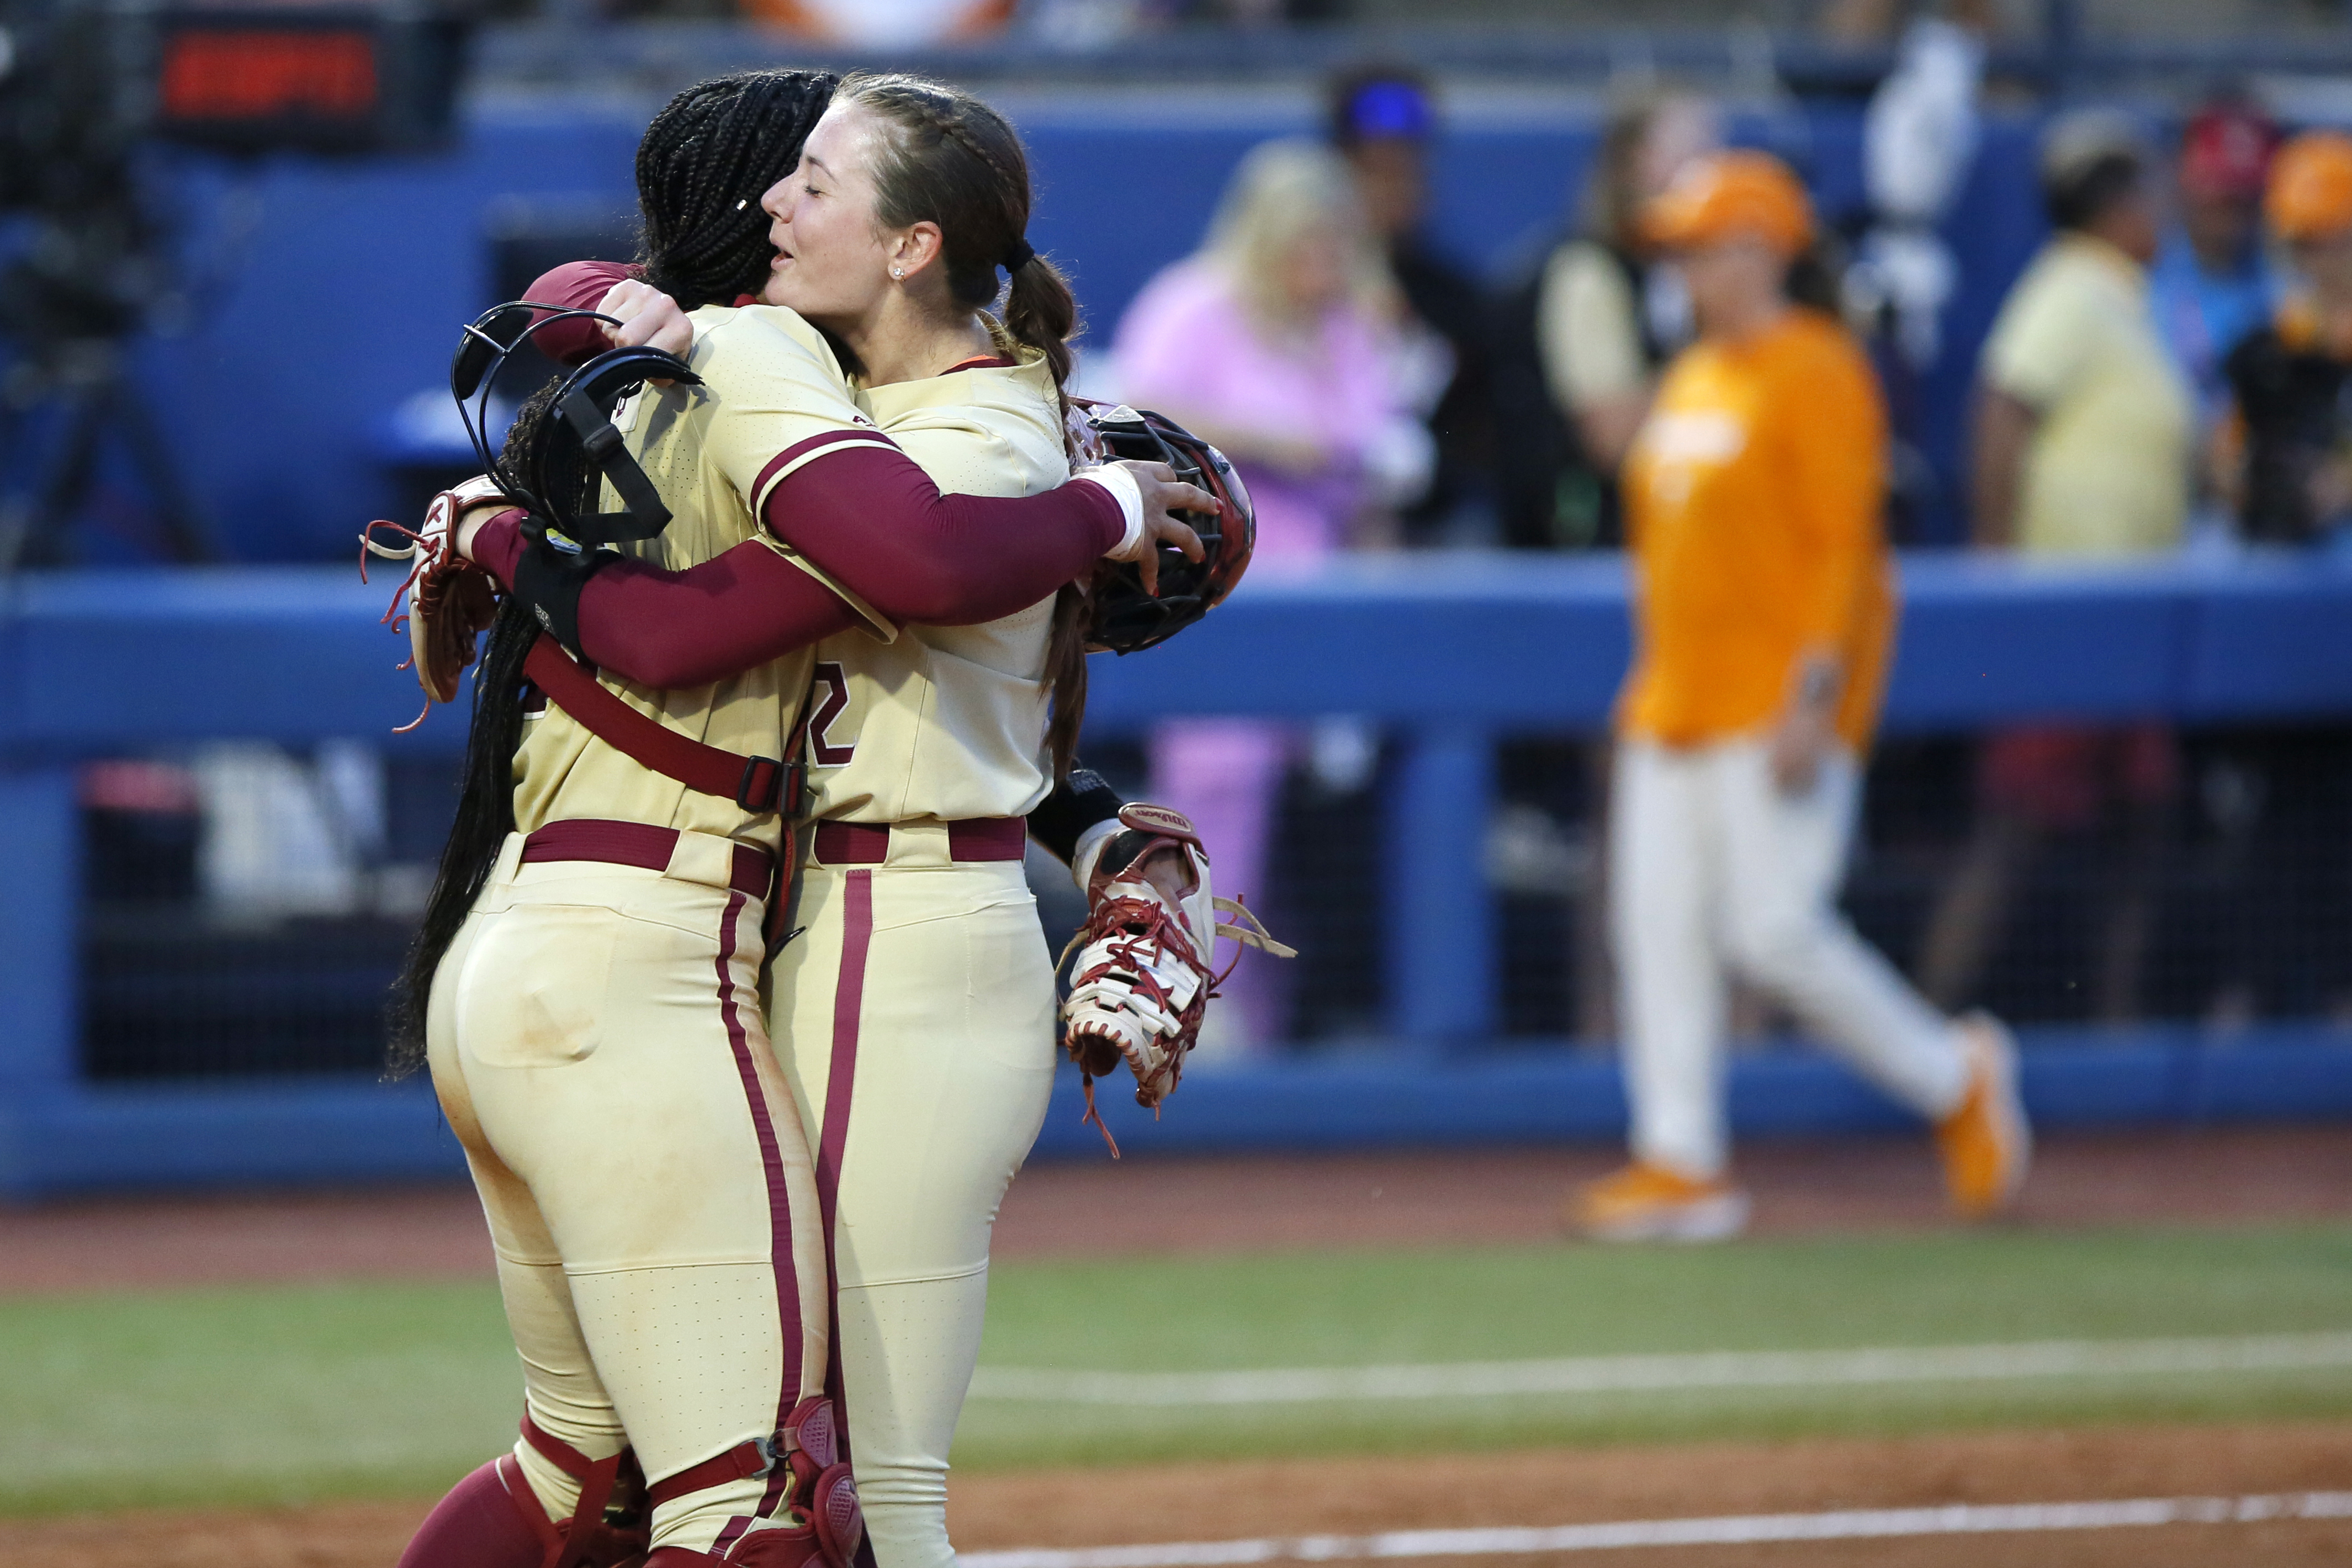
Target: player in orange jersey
column 1765, row 611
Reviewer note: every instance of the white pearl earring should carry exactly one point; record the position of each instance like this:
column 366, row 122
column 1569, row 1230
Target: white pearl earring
column 899, row 272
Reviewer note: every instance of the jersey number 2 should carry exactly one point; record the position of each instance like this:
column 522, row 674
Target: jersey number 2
column 830, row 693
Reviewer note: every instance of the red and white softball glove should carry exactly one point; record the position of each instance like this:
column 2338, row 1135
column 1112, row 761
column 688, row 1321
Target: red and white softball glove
column 445, row 599
column 1142, row 981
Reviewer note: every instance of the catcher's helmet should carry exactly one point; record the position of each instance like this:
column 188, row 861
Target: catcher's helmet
column 584, row 404
column 1122, row 617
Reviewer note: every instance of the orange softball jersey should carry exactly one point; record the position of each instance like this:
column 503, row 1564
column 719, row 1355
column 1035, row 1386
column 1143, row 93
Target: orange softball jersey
column 1754, row 497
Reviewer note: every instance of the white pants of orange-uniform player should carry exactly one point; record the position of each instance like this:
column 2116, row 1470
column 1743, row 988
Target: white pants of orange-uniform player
column 597, row 1045
column 1712, row 869
column 914, row 1015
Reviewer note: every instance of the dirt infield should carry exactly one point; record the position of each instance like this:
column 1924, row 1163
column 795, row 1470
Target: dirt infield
column 2223, row 1176
column 2215, row 1177
column 1212, row 1501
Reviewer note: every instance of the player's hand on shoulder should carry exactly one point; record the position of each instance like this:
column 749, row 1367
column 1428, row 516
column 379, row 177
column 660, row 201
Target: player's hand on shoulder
column 1161, row 495
column 648, row 318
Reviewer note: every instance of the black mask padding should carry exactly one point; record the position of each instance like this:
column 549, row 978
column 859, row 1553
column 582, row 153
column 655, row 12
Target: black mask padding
column 586, row 402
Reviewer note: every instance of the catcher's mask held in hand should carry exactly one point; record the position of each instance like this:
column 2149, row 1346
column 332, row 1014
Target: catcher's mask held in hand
column 1122, row 617
column 584, row 401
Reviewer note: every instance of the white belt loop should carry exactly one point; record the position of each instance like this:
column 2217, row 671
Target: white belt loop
column 510, row 861
column 919, row 841
column 703, row 858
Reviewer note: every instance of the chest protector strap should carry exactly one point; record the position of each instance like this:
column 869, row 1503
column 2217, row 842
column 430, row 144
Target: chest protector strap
column 755, row 783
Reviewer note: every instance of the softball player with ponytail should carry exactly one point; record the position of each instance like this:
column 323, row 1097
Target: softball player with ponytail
column 913, row 1011
column 1765, row 610
column 587, row 978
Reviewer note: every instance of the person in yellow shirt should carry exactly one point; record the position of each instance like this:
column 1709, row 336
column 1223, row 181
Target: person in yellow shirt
column 2085, row 437
column 1764, row 615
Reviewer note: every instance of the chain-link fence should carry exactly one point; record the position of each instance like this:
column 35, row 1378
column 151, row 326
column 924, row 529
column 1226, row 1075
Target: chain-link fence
column 247, row 907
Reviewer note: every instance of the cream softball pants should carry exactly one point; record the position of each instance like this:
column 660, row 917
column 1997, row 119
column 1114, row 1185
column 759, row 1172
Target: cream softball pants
column 914, row 1019
column 1712, row 870
column 596, row 1043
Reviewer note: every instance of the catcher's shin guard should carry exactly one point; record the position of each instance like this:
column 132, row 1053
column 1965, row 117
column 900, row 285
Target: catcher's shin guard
column 1142, row 980
column 482, row 1523
column 493, row 1519
column 820, row 1518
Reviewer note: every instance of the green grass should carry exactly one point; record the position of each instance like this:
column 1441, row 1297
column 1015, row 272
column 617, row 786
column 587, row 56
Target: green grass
column 298, row 1393
column 1498, row 1303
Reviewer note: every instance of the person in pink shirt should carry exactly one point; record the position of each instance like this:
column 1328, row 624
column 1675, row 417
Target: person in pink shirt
column 1279, row 342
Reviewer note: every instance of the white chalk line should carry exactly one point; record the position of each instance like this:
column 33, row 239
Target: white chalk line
column 1655, row 1373
column 1959, row 1519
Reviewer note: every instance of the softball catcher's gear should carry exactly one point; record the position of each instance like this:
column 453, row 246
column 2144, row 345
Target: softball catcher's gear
column 1142, row 980
column 1122, row 617
column 820, row 1495
column 607, row 1529
column 581, row 438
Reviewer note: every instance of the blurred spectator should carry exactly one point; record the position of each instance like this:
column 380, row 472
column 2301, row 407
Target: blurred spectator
column 896, row 22
column 2284, row 461
column 2282, row 795
column 2083, row 449
column 1919, row 141
column 2212, row 281
column 1580, row 339
column 1863, row 23
column 1764, row 611
column 1381, row 120
column 1275, row 342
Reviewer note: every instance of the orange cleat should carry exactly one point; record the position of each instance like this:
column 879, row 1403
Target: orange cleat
column 1650, row 1203
column 1986, row 1142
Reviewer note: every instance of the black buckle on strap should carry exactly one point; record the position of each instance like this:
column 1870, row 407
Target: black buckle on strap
column 782, row 793
column 749, row 795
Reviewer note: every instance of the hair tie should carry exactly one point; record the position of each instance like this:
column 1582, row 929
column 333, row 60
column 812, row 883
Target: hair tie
column 1019, row 257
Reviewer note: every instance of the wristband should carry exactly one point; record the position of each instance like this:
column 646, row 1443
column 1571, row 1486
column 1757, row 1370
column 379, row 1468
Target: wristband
column 1130, row 496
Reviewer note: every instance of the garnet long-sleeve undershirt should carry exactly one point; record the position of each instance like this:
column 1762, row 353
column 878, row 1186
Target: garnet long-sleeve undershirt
column 872, row 520
column 875, row 522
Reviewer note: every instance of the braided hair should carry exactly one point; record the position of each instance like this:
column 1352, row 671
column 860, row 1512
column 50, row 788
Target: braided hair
column 705, row 162
column 945, row 157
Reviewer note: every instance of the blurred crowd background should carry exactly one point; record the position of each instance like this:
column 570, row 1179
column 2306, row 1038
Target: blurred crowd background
column 2102, row 324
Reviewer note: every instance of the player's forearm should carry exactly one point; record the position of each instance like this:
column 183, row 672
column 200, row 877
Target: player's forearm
column 575, row 285
column 876, row 523
column 732, row 613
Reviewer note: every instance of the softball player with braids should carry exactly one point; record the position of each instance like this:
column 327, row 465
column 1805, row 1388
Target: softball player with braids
column 587, row 976
column 913, row 1011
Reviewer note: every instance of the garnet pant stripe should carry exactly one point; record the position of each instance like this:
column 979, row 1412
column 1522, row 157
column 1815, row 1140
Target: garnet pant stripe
column 779, row 1221
column 841, row 1083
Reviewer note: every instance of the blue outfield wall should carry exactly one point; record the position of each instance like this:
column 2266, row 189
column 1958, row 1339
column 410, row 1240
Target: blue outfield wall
column 1446, row 651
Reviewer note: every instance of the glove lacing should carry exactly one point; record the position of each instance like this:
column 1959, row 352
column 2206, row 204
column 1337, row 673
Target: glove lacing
column 1129, row 925
column 424, row 553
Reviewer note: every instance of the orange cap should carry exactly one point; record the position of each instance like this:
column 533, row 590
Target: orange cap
column 1730, row 193
column 2310, row 194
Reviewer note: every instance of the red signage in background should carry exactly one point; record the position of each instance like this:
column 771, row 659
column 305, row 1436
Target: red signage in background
column 259, row 73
